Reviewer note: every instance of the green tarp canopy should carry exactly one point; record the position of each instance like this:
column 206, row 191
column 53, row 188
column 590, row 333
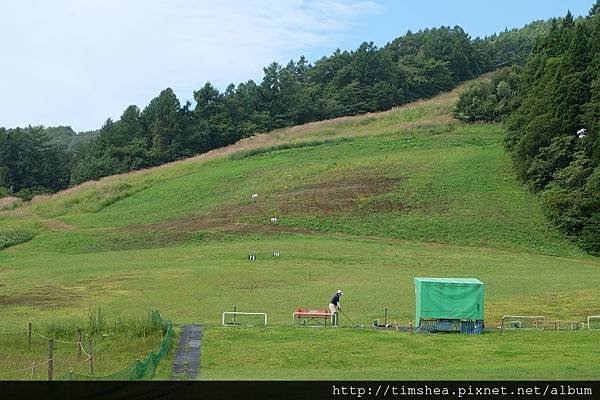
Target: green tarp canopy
column 448, row 298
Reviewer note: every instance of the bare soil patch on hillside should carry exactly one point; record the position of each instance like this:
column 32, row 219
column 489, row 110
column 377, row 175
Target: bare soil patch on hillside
column 180, row 229
column 43, row 296
column 347, row 194
column 57, row 225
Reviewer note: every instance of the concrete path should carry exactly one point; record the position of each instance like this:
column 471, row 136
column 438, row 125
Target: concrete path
column 186, row 364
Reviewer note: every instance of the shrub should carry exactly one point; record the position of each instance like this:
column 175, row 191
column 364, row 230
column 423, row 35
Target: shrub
column 489, row 100
column 476, row 103
column 14, row 237
column 29, row 193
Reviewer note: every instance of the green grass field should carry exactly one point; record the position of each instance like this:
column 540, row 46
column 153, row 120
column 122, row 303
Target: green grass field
column 354, row 354
column 108, row 346
column 363, row 203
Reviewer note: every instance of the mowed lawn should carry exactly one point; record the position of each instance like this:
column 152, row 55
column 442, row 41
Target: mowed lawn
column 365, row 204
column 355, row 354
column 197, row 282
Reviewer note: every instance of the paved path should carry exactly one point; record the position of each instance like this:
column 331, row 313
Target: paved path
column 186, row 364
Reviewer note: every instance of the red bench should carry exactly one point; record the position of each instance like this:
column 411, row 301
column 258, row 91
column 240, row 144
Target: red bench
column 308, row 316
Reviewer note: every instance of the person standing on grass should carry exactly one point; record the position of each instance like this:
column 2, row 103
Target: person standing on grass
column 334, row 306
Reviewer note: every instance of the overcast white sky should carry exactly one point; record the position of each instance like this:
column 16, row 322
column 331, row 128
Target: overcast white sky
column 77, row 62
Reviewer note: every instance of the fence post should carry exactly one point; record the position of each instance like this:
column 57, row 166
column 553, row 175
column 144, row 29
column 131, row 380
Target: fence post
column 50, row 358
column 29, row 335
column 91, row 358
column 78, row 344
column 411, row 326
column 32, row 370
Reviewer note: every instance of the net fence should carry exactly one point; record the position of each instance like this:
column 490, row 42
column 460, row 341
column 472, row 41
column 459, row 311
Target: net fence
column 25, row 354
column 138, row 370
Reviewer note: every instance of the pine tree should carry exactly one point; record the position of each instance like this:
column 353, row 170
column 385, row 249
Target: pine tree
column 595, row 10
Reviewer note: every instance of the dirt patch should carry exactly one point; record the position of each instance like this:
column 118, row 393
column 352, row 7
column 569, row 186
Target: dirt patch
column 43, row 296
column 180, row 229
column 260, row 228
column 108, row 280
column 250, row 284
column 110, row 285
column 116, row 284
column 347, row 194
column 57, row 225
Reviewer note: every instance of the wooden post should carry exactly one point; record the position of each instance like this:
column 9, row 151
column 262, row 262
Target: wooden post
column 411, row 326
column 29, row 335
column 32, row 370
column 91, row 358
column 78, row 344
column 50, row 358
column 502, row 325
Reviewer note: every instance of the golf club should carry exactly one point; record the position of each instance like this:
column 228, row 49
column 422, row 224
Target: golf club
column 349, row 319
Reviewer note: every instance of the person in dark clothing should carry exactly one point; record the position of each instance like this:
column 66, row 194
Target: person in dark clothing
column 334, row 306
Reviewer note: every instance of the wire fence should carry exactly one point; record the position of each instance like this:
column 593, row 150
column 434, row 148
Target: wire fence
column 55, row 340
column 139, row 370
column 73, row 360
column 32, row 368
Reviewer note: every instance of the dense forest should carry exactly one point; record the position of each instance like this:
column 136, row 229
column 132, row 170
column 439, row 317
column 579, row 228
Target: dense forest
column 551, row 108
column 414, row 66
column 37, row 160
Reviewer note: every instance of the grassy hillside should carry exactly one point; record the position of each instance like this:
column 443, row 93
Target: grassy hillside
column 411, row 173
column 365, row 203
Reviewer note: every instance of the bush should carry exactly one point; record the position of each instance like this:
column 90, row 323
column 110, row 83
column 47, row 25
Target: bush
column 589, row 239
column 489, row 100
column 476, row 103
column 14, row 237
column 29, row 193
